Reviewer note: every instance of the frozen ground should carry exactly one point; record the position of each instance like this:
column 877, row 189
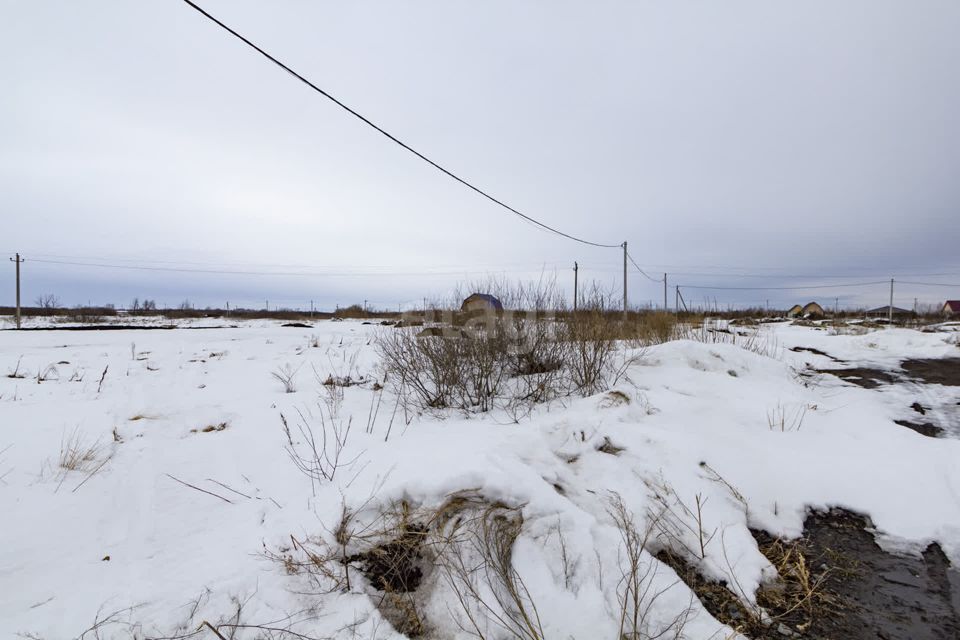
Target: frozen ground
column 124, row 536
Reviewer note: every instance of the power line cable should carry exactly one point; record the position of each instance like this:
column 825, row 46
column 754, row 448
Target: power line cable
column 929, row 284
column 265, row 273
column 792, row 276
column 259, row 265
column 390, row 136
column 595, row 266
column 644, row 273
column 824, row 286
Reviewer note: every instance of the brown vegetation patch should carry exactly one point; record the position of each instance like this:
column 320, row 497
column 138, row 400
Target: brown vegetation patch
column 609, row 448
column 396, row 565
column 211, row 428
column 614, row 398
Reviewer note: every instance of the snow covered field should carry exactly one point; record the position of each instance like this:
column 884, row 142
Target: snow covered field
column 188, row 483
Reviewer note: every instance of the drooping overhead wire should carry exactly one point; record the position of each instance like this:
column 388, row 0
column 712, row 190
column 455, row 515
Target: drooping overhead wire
column 393, row 138
column 642, row 272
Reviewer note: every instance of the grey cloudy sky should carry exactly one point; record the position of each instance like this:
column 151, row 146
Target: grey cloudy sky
column 717, row 138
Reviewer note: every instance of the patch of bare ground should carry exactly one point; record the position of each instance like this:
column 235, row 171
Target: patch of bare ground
column 836, row 582
column 923, row 428
column 816, row 352
column 863, row 376
column 945, row 371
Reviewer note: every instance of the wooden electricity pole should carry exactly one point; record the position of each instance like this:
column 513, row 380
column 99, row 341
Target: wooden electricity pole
column 624, row 279
column 18, row 260
column 890, row 308
column 575, row 269
column 664, row 293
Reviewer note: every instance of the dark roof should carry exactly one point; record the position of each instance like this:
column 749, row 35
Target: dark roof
column 886, row 309
column 953, row 305
column 486, row 297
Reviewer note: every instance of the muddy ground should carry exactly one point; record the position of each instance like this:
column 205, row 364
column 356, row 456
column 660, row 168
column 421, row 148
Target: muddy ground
column 945, row 371
column 862, row 592
column 917, row 372
column 881, row 595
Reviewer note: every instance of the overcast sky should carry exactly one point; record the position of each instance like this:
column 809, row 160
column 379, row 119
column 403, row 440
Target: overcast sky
column 719, row 139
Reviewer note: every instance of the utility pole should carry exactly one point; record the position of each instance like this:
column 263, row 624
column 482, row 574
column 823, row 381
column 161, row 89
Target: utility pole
column 676, row 300
column 664, row 293
column 575, row 268
column 18, row 260
column 311, row 308
column 890, row 308
column 624, row 279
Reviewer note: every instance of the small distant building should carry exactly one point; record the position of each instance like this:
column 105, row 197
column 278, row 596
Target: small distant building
column 812, row 311
column 884, row 312
column 795, row 311
column 481, row 302
column 951, row 308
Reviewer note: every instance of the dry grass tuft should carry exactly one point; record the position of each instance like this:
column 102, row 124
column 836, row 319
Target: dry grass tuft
column 614, row 398
column 782, row 419
column 799, row 595
column 788, row 605
column 79, row 454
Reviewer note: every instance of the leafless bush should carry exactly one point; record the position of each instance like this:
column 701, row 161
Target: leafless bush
column 318, row 455
column 89, row 315
column 753, row 339
column 844, row 329
column 510, row 360
column 679, row 526
column 285, row 375
column 656, row 327
column 477, row 562
column 636, row 590
column 594, row 359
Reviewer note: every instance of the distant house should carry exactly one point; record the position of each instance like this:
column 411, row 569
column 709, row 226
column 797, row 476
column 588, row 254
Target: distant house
column 481, row 302
column 795, row 311
column 951, row 308
column 812, row 311
column 884, row 312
